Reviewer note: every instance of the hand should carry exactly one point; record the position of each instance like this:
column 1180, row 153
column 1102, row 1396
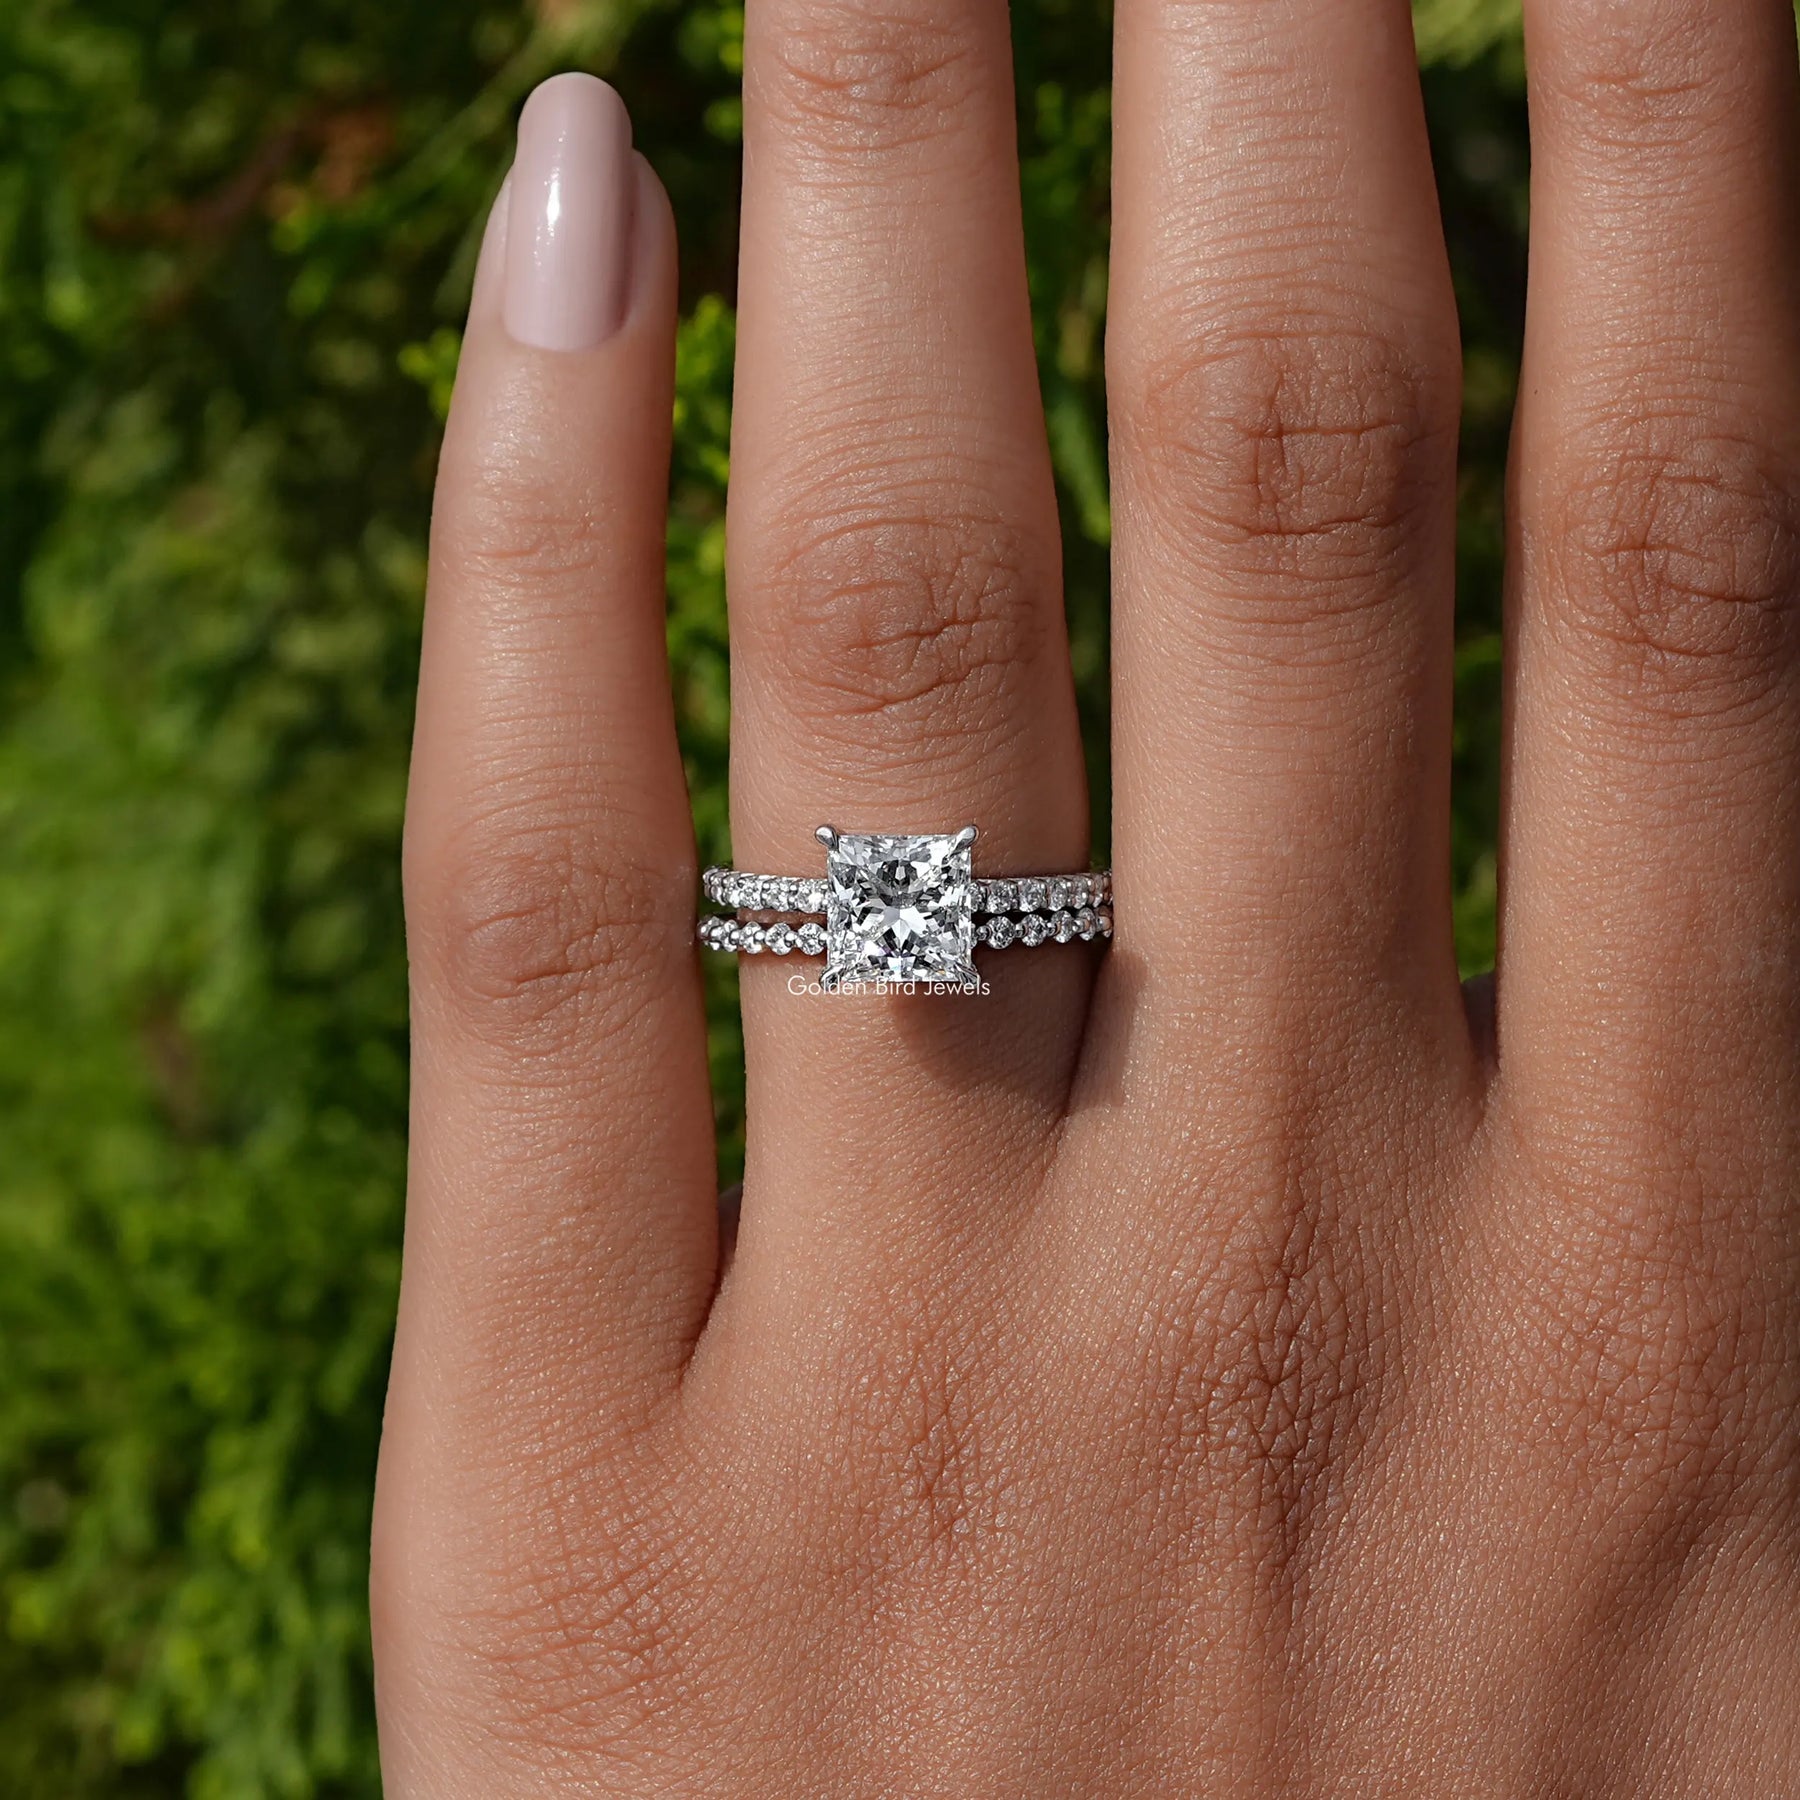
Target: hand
column 1232, row 1364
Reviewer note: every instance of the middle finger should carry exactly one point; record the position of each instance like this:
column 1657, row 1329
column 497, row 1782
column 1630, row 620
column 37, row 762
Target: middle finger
column 1283, row 366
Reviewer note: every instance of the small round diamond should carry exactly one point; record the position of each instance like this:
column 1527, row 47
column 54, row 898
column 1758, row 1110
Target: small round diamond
column 1057, row 895
column 1033, row 929
column 1002, row 896
column 779, row 938
column 1000, row 931
column 1065, row 927
column 1032, row 895
column 811, row 938
column 809, row 896
column 750, row 938
column 1087, row 922
column 1106, row 925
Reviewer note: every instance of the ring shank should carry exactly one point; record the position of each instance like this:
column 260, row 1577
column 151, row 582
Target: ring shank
column 1011, row 894
column 750, row 937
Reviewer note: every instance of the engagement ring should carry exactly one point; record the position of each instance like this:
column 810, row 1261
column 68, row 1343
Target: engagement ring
column 901, row 910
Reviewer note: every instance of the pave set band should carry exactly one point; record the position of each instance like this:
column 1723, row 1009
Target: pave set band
column 901, row 910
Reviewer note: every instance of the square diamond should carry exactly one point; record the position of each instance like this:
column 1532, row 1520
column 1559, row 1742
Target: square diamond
column 899, row 909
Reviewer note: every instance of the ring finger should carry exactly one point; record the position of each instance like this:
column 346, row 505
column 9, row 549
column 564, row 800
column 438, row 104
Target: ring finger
column 899, row 656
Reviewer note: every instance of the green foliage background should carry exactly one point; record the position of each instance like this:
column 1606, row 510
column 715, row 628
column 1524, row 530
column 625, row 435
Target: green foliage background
column 235, row 240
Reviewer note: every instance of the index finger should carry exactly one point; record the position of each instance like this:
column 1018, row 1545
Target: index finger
column 561, row 1234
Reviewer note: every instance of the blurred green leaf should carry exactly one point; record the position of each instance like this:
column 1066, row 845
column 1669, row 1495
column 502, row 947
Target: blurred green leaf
column 1460, row 31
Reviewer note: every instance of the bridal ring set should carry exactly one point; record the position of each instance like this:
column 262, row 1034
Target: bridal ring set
column 900, row 911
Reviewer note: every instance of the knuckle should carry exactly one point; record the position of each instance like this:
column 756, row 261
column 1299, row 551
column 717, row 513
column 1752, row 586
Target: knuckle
column 923, row 1445
column 526, row 523
column 1676, row 553
column 930, row 1449
column 1264, row 1376
column 1297, row 458
column 1658, row 1389
column 527, row 928
column 1650, row 1347
column 1640, row 77
column 853, row 77
column 530, row 557
column 903, row 632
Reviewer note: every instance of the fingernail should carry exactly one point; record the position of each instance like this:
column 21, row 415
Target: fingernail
column 568, row 227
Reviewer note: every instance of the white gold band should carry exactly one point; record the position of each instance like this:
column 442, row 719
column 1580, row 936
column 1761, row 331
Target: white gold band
column 1006, row 894
column 751, row 937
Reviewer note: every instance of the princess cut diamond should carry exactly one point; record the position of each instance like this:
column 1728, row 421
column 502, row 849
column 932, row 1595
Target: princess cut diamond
column 899, row 909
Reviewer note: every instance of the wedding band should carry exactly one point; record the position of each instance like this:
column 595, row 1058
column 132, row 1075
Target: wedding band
column 901, row 910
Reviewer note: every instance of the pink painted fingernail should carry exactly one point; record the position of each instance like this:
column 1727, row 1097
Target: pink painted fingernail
column 568, row 227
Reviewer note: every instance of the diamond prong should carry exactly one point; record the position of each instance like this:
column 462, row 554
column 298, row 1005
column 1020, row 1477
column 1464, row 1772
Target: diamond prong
column 828, row 836
column 966, row 837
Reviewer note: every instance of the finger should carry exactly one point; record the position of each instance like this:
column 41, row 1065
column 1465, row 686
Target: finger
column 561, row 1221
column 560, row 1233
column 899, row 661
column 1652, row 871
column 1283, row 372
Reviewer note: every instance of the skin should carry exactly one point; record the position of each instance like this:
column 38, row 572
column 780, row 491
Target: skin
column 1247, row 1364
